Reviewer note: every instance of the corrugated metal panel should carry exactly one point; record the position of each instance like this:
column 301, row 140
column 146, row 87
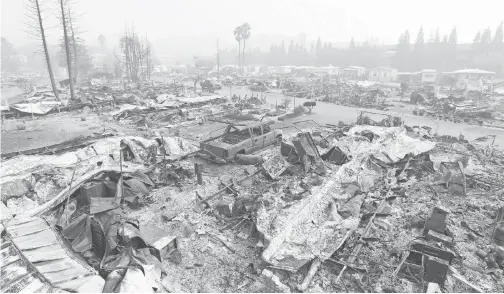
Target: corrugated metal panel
column 74, row 284
column 27, row 223
column 21, row 220
column 35, row 260
column 19, row 284
column 39, row 239
column 36, row 286
column 9, row 255
column 17, row 274
column 50, row 252
column 12, row 272
column 30, row 228
column 5, row 244
column 56, row 265
column 65, row 275
column 89, row 284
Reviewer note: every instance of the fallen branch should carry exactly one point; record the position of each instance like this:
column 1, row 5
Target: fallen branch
column 398, row 269
column 311, row 273
column 351, row 267
column 223, row 241
column 459, row 277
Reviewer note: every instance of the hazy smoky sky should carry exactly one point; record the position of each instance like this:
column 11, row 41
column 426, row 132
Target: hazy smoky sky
column 332, row 20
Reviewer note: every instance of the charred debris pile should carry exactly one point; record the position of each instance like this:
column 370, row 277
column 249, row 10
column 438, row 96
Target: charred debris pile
column 109, row 96
column 145, row 105
column 460, row 106
column 368, row 207
column 363, row 94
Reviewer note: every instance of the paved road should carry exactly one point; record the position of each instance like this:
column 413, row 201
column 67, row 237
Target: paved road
column 328, row 113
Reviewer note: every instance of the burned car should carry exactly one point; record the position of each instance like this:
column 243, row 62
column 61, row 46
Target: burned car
column 240, row 139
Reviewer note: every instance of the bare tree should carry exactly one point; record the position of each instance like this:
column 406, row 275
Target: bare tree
column 35, row 26
column 198, row 75
column 286, row 102
column 74, row 43
column 135, row 56
column 64, row 16
column 148, row 60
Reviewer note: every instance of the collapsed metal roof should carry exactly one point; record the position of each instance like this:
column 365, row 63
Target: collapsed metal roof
column 35, row 259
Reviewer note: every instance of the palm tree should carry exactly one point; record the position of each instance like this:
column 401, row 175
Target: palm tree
column 238, row 37
column 245, row 35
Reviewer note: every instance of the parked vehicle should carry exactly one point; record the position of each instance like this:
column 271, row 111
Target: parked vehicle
column 210, row 86
column 240, row 139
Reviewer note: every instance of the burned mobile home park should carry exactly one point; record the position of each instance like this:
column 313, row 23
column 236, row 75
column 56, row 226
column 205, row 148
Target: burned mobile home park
column 141, row 159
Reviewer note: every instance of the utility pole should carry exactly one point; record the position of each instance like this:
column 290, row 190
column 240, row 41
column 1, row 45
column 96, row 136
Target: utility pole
column 218, row 58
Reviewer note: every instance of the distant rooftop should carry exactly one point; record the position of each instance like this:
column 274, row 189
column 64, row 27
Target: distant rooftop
column 472, row 71
column 384, row 67
column 425, row 71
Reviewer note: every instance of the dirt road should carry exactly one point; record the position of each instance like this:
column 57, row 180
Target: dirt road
column 328, row 113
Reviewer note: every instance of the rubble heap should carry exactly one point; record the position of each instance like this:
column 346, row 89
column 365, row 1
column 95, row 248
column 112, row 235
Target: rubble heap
column 370, row 207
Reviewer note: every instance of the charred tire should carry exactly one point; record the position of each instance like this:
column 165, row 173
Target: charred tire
column 278, row 140
column 239, row 152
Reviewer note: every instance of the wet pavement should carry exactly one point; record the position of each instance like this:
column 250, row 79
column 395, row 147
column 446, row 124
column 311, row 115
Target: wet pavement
column 328, row 113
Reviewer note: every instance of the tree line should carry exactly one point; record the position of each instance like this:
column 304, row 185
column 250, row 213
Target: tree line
column 442, row 54
column 486, row 51
column 320, row 54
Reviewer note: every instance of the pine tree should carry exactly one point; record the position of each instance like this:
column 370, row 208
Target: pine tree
column 401, row 40
column 318, row 48
column 352, row 44
column 499, row 35
column 420, row 37
column 453, row 36
column 452, row 50
column 476, row 41
column 444, row 53
column 477, row 38
column 431, row 37
column 419, row 51
column 402, row 53
column 407, row 38
column 486, row 37
column 282, row 54
column 435, row 51
column 498, row 42
column 291, row 48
